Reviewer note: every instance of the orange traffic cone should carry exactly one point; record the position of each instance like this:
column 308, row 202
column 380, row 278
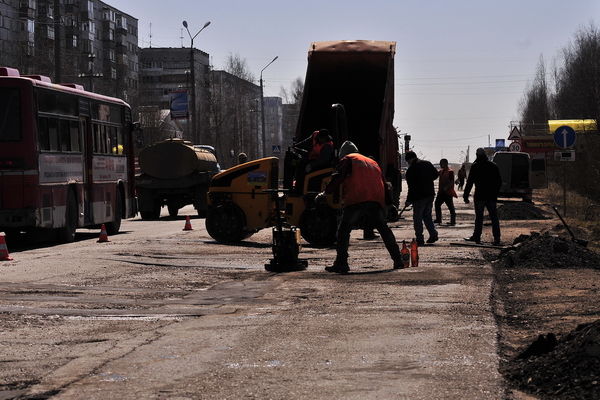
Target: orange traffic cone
column 188, row 224
column 103, row 235
column 4, row 250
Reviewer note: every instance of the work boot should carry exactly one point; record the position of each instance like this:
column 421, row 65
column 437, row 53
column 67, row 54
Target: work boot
column 370, row 235
column 398, row 264
column 496, row 242
column 473, row 239
column 437, row 221
column 432, row 239
column 337, row 267
column 453, row 220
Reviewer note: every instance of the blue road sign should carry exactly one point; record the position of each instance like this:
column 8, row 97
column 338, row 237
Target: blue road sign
column 564, row 136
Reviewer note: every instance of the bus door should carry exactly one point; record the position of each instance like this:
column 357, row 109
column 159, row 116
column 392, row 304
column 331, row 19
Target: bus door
column 85, row 128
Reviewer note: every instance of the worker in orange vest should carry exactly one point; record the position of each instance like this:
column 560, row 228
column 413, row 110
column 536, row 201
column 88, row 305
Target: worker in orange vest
column 367, row 194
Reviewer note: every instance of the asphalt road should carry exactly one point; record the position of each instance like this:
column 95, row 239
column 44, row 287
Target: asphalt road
column 163, row 313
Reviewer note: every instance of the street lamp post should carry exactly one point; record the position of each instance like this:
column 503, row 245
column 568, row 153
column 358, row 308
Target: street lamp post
column 262, row 108
column 195, row 137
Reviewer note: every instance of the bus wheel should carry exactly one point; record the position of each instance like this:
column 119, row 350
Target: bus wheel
column 225, row 223
column 112, row 228
column 318, row 227
column 66, row 234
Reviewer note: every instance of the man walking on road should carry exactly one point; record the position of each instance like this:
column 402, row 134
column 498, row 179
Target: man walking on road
column 446, row 193
column 366, row 194
column 420, row 176
column 485, row 175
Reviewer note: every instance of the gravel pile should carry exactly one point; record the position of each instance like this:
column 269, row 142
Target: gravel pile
column 521, row 211
column 546, row 251
column 571, row 370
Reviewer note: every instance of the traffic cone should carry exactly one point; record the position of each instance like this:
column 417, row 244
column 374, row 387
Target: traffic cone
column 188, row 224
column 4, row 250
column 103, row 235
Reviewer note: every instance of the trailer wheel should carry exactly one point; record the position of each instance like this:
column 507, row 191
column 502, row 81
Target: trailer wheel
column 66, row 234
column 319, row 227
column 226, row 223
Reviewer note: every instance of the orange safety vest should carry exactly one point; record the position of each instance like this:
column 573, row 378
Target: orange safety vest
column 365, row 182
column 447, row 180
column 315, row 152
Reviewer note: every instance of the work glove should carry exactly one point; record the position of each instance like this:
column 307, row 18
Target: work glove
column 321, row 198
column 466, row 199
column 307, row 169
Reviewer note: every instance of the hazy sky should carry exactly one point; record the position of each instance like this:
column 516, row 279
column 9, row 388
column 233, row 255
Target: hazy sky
column 461, row 67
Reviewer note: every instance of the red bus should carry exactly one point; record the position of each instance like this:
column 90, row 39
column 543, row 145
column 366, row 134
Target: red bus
column 66, row 157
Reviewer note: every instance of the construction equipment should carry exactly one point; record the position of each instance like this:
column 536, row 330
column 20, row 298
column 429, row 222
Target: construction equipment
column 349, row 90
column 286, row 244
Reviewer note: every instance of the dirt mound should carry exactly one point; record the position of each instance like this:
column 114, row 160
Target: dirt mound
column 560, row 364
column 546, row 251
column 521, row 211
column 570, row 371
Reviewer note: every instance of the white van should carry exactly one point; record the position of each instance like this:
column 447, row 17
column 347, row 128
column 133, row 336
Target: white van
column 520, row 174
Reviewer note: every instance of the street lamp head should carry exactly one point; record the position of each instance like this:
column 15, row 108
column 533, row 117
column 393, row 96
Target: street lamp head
column 185, row 24
column 206, row 24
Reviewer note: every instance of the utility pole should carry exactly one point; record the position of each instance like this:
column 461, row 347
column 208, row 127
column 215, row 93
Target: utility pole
column 262, row 108
column 194, row 135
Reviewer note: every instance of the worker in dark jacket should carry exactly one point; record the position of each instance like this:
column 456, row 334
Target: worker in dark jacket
column 366, row 194
column 420, row 176
column 485, row 176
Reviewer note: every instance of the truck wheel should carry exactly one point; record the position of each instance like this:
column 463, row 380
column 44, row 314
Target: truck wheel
column 318, row 227
column 150, row 215
column 66, row 234
column 226, row 223
column 173, row 210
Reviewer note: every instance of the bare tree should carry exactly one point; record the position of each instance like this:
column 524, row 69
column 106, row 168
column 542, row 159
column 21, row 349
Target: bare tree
column 294, row 94
column 234, row 109
column 238, row 66
column 534, row 108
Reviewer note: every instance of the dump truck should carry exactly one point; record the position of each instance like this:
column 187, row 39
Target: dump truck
column 174, row 173
column 349, row 90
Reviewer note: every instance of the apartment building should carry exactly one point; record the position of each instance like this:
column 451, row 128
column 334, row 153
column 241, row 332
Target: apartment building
column 87, row 42
column 165, row 72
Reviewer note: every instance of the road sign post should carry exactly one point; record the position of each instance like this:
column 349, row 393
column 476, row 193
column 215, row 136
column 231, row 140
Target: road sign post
column 565, row 136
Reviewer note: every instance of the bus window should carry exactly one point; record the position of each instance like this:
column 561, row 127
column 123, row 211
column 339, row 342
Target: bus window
column 53, row 134
column 10, row 115
column 96, row 140
column 74, row 136
column 65, row 139
column 44, row 141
